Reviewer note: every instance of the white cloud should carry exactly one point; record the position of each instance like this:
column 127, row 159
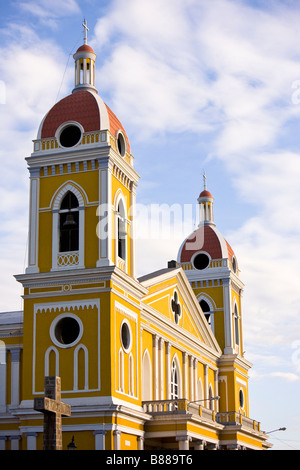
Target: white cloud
column 193, row 66
column 48, row 12
column 286, row 376
column 32, row 73
column 207, row 67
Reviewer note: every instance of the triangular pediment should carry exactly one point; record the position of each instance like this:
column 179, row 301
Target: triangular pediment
column 171, row 300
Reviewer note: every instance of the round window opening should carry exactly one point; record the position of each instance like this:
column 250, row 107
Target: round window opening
column 125, row 336
column 121, row 144
column 201, row 261
column 67, row 330
column 70, row 136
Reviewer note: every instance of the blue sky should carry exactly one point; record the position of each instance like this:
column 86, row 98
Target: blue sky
column 198, row 85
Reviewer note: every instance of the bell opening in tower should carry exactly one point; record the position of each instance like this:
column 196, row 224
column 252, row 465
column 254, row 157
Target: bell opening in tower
column 69, row 223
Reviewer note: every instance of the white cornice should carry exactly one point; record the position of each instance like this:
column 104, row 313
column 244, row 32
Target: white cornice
column 83, row 275
column 92, row 152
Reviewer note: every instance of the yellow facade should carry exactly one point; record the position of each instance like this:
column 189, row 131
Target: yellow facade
column 140, row 364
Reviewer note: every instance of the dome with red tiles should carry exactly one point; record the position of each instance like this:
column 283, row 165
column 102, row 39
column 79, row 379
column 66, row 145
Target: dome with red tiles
column 206, row 239
column 85, row 108
column 206, row 243
column 205, row 193
column 85, row 47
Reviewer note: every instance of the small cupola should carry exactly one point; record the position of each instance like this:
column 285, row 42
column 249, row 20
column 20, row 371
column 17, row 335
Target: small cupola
column 84, row 65
column 205, row 200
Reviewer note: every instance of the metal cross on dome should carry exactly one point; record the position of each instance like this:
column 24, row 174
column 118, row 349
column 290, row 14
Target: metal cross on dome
column 204, row 181
column 84, row 24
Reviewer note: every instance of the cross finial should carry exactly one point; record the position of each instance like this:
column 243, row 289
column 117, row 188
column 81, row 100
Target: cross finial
column 84, row 24
column 204, row 181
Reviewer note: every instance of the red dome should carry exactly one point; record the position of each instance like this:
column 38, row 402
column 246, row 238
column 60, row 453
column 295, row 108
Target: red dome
column 86, row 108
column 86, row 48
column 205, row 238
column 205, row 193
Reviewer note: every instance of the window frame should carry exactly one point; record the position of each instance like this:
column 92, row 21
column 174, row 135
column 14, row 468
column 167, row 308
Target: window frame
column 56, row 205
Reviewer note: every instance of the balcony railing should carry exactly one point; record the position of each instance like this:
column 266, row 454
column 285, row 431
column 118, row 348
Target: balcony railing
column 181, row 406
column 232, row 418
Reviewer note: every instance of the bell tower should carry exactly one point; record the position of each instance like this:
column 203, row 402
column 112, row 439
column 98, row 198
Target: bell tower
column 81, row 241
column 211, row 267
column 82, row 182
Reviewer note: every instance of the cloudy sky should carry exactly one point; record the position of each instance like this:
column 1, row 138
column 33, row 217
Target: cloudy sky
column 199, row 85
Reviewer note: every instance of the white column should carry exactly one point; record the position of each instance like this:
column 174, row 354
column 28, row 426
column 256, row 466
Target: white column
column 132, row 217
column 99, row 439
column 195, row 379
column 15, row 377
column 84, row 71
column 55, row 241
column 104, row 211
column 31, row 440
column 184, row 374
column 14, row 442
column 140, row 443
column 227, row 317
column 183, row 442
column 191, row 382
column 216, row 375
column 199, row 445
column 155, row 367
column 161, row 368
column 168, row 370
column 117, row 440
column 2, row 377
column 33, row 221
column 78, row 72
column 2, row 442
column 206, row 402
column 241, row 324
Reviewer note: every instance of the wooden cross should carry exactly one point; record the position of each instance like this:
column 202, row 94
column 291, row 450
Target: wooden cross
column 53, row 409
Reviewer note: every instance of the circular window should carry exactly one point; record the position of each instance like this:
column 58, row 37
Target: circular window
column 126, row 336
column 70, row 136
column 201, row 261
column 66, row 330
column 121, row 144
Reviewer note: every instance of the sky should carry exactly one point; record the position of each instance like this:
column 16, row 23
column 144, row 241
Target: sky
column 199, row 86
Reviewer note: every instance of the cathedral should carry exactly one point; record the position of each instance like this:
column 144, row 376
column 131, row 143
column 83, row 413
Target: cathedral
column 148, row 363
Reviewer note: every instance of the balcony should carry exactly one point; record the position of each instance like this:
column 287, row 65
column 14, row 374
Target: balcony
column 172, row 420
column 179, row 406
column 183, row 406
column 232, row 418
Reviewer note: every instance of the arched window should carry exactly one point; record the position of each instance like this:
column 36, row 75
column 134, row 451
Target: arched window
column 206, row 310
column 131, row 374
column 236, row 325
column 121, row 231
column 146, row 377
column 69, row 223
column 174, row 381
column 211, row 403
column 68, row 230
column 121, row 370
column 199, row 389
column 81, row 371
